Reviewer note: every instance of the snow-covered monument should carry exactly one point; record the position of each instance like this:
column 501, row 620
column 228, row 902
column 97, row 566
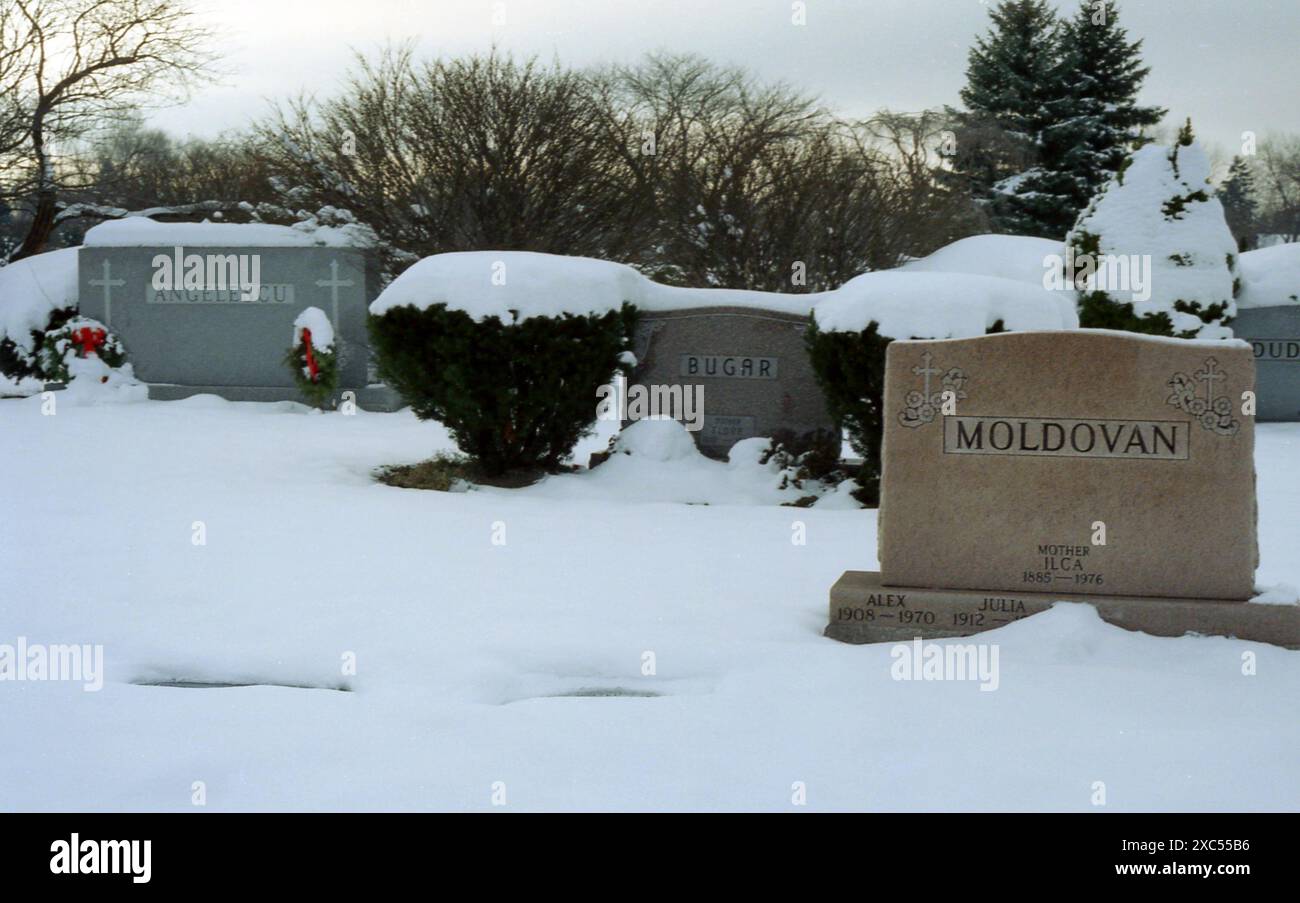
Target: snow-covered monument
column 210, row 307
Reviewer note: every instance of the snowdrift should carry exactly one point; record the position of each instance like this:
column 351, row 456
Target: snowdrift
column 31, row 289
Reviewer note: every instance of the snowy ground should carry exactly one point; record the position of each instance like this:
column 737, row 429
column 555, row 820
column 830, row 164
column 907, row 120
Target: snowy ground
column 466, row 649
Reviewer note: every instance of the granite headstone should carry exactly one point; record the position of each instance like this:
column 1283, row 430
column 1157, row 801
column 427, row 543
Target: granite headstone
column 209, row 336
column 1026, row 468
column 752, row 364
column 1274, row 336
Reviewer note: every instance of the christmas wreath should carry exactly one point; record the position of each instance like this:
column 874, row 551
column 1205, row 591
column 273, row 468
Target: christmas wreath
column 79, row 337
column 312, row 357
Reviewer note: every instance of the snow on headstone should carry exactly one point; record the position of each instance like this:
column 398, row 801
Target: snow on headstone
column 1269, row 318
column 211, row 306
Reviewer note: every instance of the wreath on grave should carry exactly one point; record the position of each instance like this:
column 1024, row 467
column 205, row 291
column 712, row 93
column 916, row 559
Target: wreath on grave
column 79, row 337
column 312, row 357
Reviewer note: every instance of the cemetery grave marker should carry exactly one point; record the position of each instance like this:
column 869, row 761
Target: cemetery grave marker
column 1274, row 336
column 752, row 363
column 192, row 323
column 1025, row 468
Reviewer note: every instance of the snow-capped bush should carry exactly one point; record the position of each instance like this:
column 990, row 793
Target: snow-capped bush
column 37, row 294
column 656, row 460
column 807, row 462
column 1159, row 208
column 91, row 381
column 512, row 368
column 656, row 439
column 513, row 286
column 930, row 298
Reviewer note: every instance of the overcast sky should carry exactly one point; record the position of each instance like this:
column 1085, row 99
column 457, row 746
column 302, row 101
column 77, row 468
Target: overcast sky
column 1232, row 65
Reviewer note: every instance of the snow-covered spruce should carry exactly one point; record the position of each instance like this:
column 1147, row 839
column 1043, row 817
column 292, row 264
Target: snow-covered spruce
column 1051, row 113
column 1160, row 208
column 312, row 357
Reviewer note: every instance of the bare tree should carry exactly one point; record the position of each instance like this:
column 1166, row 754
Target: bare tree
column 67, row 65
column 461, row 154
column 1278, row 171
column 707, row 145
column 755, row 186
column 696, row 173
column 927, row 209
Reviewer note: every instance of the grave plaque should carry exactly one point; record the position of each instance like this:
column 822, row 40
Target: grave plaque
column 1022, row 469
column 1274, row 336
column 720, row 431
column 752, row 364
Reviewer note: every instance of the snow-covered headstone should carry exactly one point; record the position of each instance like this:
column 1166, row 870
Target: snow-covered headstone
column 210, row 307
column 1268, row 317
column 750, row 362
column 1103, row 467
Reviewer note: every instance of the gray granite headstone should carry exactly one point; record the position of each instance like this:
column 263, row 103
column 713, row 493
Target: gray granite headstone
column 752, row 363
column 182, row 341
column 1274, row 334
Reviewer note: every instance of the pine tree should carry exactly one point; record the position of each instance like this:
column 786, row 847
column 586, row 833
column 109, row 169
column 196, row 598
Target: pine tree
column 1237, row 194
column 1014, row 88
column 1106, row 72
column 1051, row 113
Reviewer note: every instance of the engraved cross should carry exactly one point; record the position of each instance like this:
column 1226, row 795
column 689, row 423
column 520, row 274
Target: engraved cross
column 927, row 371
column 1210, row 374
column 108, row 283
column 334, row 283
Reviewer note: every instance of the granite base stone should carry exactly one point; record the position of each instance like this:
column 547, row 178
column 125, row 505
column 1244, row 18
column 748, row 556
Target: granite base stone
column 865, row 610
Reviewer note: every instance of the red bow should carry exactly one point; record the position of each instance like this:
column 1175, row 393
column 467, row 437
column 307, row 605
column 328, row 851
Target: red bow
column 312, row 369
column 89, row 339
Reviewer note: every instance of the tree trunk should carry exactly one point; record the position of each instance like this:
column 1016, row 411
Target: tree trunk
column 38, row 235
